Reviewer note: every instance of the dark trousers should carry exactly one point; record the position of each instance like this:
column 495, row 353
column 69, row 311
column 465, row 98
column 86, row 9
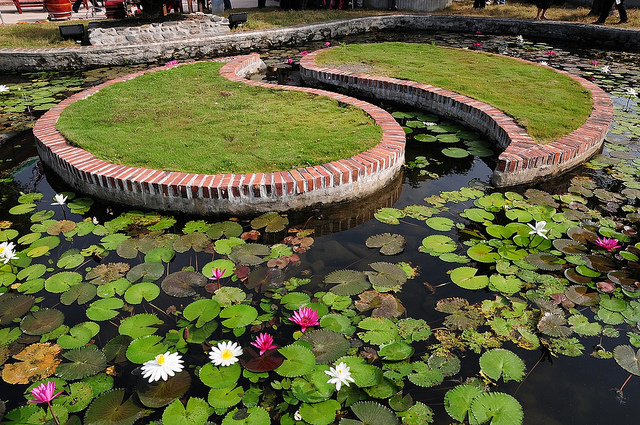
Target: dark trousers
column 77, row 3
column 606, row 8
column 478, row 4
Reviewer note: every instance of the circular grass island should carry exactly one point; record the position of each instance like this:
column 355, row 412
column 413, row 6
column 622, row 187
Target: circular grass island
column 200, row 139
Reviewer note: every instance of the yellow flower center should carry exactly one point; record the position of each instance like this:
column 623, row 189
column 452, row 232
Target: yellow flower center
column 226, row 354
column 1, row 249
column 160, row 359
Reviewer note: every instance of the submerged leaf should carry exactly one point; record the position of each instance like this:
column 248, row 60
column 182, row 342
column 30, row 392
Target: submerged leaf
column 389, row 244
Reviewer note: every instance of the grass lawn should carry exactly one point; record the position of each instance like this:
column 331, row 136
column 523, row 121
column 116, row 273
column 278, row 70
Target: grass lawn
column 548, row 104
column 191, row 119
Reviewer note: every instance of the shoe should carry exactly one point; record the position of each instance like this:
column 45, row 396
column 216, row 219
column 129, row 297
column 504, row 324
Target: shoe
column 75, row 10
column 626, row 21
column 597, row 23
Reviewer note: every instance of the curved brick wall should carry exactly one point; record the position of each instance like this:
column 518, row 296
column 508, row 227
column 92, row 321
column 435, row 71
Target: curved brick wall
column 522, row 159
column 202, row 194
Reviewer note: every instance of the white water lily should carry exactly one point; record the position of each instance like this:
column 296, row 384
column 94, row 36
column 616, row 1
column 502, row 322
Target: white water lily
column 297, row 416
column 3, row 88
column 605, row 69
column 632, row 92
column 545, row 63
column 339, row 375
column 520, row 39
column 539, row 229
column 7, row 252
column 225, row 353
column 60, row 199
column 162, row 366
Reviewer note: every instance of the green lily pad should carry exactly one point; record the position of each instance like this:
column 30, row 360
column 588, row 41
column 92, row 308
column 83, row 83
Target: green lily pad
column 249, row 254
column 139, row 325
column 204, row 310
column 238, row 316
column 148, row 272
column 437, row 244
column 455, row 152
column 271, row 221
column 627, row 358
column 389, row 244
column 109, row 408
column 62, row 281
column 389, row 215
column 82, row 293
column 83, row 362
column 457, row 401
column 162, row 393
column 372, row 413
column 223, row 398
column 322, row 413
column 326, row 345
column 227, row 229
column 499, row 408
column 441, row 224
column 466, row 278
column 387, row 274
column 220, row 377
column 141, row 291
column 298, row 361
column 483, row 253
column 104, row 309
column 397, row 350
column 145, row 348
column 503, row 363
column 252, row 416
column 349, row 282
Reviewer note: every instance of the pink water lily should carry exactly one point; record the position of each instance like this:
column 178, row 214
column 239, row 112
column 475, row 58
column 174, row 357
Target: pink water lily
column 305, row 317
column 44, row 393
column 608, row 243
column 550, row 53
column 327, row 44
column 594, row 63
column 304, row 52
column 477, row 44
column 217, row 273
column 289, row 61
column 264, row 342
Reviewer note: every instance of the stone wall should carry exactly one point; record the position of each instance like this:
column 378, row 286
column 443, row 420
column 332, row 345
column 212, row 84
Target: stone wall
column 522, row 159
column 345, row 179
column 19, row 60
column 152, row 33
column 411, row 5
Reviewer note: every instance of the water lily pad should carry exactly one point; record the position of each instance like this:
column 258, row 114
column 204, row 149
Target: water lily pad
column 204, row 310
column 42, row 321
column 455, row 152
column 139, row 325
column 389, row 244
column 62, row 281
column 448, row 138
column 349, row 282
column 503, row 363
column 252, row 416
column 298, row 361
column 264, row 278
column 568, row 246
column 145, row 348
column 426, row 138
column 223, row 398
column 372, row 413
column 197, row 241
column 466, row 278
column 424, row 376
column 37, row 361
column 379, row 330
column 79, row 335
column 581, row 235
column 147, row 271
column 387, row 274
column 82, row 293
column 116, row 349
column 271, row 221
column 256, row 363
column 327, row 345
column 220, row 377
column 599, row 263
column 441, row 224
column 104, row 309
column 109, row 408
column 181, row 284
column 162, row 393
column 499, row 408
column 627, row 358
column 229, row 229
column 14, row 306
column 221, row 264
column 553, row 325
column 322, row 413
column 249, row 254
column 437, row 244
column 83, row 362
column 397, row 350
column 141, row 291
column 389, row 215
column 483, row 253
column 238, row 316
column 545, row 261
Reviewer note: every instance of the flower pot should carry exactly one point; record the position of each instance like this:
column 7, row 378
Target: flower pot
column 58, row 9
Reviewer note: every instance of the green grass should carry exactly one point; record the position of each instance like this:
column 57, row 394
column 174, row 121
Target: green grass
column 191, row 119
column 548, row 104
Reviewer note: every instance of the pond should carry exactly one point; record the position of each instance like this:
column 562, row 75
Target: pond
column 468, row 298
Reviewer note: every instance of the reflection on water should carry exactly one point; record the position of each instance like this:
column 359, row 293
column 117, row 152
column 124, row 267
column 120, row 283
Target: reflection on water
column 564, row 391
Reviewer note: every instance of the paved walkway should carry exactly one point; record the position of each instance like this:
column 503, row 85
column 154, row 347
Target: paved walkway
column 10, row 14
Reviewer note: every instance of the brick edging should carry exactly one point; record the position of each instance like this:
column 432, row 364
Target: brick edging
column 522, row 159
column 345, row 179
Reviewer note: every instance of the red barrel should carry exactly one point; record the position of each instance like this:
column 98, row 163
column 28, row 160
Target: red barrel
column 115, row 9
column 58, row 9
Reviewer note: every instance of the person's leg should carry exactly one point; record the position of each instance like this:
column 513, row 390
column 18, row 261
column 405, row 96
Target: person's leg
column 622, row 11
column 604, row 13
column 76, row 5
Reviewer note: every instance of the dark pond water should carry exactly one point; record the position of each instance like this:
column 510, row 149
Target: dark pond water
column 557, row 390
